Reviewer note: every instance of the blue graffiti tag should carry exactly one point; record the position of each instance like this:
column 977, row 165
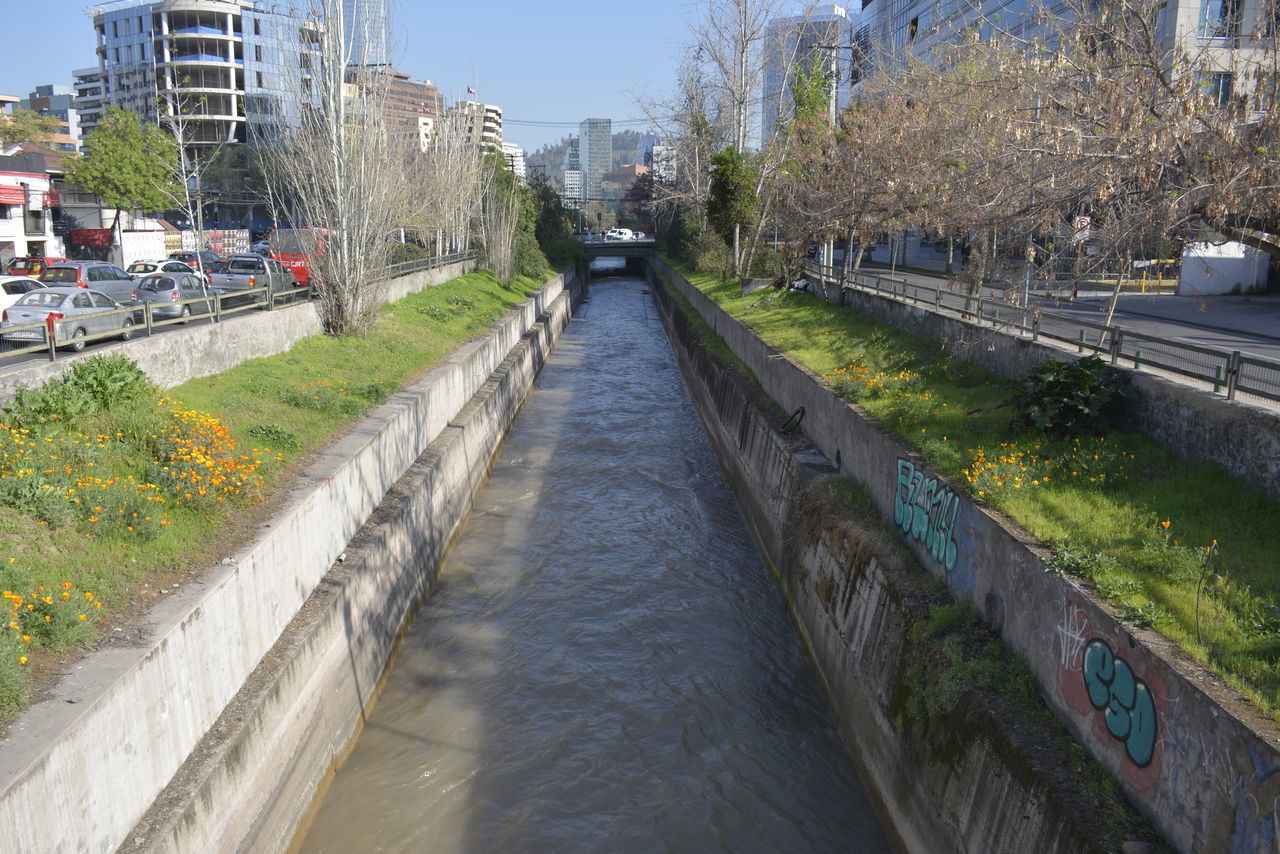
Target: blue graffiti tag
column 1129, row 708
column 925, row 508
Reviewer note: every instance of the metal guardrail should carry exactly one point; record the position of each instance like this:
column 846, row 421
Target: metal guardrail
column 218, row 306
column 1226, row 372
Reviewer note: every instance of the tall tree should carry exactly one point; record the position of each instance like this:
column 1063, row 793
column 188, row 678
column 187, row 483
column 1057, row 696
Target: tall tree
column 127, row 163
column 27, row 126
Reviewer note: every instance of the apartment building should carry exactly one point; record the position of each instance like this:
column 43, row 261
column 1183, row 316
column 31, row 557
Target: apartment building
column 823, row 34
column 228, row 69
column 58, row 101
column 481, row 124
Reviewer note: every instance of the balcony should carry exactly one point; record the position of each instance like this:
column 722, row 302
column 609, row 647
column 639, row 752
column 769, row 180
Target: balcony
column 200, row 30
column 205, row 57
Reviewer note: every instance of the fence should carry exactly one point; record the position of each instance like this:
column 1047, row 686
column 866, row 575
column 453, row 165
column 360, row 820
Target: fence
column 73, row 332
column 1227, row 372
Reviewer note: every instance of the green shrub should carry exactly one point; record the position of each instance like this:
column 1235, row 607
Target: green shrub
column 91, row 386
column 1085, row 396
column 275, row 436
column 402, row 252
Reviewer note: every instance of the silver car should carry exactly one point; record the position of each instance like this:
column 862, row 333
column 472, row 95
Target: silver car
column 168, row 294
column 73, row 313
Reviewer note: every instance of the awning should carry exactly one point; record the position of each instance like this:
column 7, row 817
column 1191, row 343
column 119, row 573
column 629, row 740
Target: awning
column 91, row 236
column 12, row 196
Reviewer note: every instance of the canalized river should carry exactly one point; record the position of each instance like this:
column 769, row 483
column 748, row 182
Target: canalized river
column 605, row 664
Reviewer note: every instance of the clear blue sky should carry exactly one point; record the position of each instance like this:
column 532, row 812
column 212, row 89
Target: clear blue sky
column 558, row 61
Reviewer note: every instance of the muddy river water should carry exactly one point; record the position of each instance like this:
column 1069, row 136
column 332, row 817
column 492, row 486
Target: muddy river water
column 605, row 664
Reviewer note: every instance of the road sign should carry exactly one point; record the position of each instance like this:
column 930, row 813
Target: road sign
column 1082, row 223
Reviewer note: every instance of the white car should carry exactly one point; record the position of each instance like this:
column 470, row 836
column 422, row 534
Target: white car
column 13, row 287
column 144, row 267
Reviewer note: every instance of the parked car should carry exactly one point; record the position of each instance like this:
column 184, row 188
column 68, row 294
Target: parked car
column 216, row 267
column 144, row 267
column 167, row 293
column 13, row 287
column 99, row 275
column 262, row 247
column 252, row 274
column 196, row 260
column 73, row 313
column 30, row 266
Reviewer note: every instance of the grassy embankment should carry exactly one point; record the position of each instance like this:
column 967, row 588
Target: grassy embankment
column 1185, row 549
column 110, row 489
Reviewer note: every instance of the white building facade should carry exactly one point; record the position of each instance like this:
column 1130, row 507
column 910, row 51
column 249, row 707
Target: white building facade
column 26, row 202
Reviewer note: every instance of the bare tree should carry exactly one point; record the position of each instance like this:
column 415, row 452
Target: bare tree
column 446, row 174
column 338, row 161
column 499, row 217
column 728, row 38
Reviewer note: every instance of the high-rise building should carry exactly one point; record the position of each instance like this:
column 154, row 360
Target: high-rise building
column 412, row 106
column 481, row 124
column 226, row 67
column 821, row 36
column 595, row 152
column 367, row 26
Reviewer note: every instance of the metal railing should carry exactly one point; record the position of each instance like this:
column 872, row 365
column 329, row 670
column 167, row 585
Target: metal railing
column 145, row 318
column 1227, row 372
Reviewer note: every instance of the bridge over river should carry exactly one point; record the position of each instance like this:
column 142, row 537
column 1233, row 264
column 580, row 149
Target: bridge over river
column 605, row 663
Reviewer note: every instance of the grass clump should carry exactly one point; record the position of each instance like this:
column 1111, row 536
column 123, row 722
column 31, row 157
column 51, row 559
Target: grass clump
column 1133, row 520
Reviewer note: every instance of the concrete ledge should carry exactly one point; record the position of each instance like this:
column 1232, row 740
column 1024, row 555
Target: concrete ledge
column 79, row 770
column 252, row 779
column 211, row 348
column 1196, row 758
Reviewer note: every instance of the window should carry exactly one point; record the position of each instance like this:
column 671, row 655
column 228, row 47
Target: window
column 1215, row 87
column 1219, row 19
column 257, row 52
column 115, row 29
column 257, row 27
column 102, row 301
column 81, row 301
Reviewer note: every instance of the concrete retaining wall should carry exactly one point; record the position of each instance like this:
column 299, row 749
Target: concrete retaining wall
column 211, row 348
column 1206, row 772
column 66, row 784
column 970, row 788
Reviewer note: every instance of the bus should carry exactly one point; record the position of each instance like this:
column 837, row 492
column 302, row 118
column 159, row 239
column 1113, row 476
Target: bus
column 297, row 249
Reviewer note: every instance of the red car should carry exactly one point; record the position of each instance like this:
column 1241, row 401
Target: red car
column 31, row 266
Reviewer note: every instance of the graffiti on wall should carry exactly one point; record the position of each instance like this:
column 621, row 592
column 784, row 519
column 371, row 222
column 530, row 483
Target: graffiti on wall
column 1126, row 702
column 1120, row 701
column 925, row 509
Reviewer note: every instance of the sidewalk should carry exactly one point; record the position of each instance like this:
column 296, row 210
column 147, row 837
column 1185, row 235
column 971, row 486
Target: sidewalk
column 1250, row 317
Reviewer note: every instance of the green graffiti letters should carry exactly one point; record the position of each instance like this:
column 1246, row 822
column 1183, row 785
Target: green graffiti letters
column 925, row 509
column 1125, row 700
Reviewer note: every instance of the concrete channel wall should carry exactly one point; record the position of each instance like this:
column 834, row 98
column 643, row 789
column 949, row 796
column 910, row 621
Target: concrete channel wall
column 1201, row 763
column 80, row 769
column 205, row 349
